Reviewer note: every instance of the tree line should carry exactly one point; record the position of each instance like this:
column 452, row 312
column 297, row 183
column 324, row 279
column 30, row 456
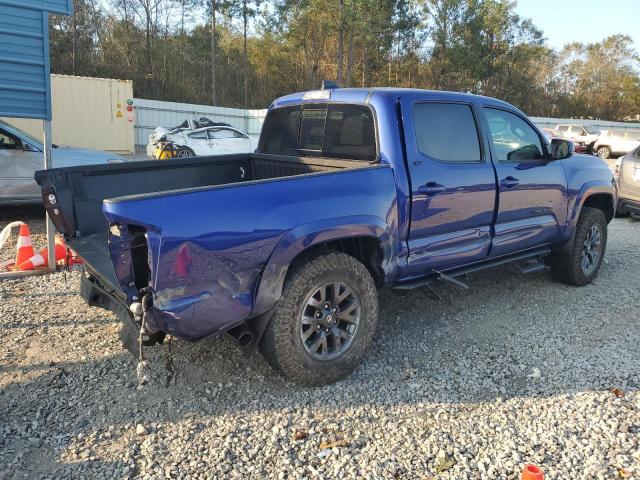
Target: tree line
column 245, row 53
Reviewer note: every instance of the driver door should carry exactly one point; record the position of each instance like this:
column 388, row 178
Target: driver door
column 532, row 204
column 17, row 167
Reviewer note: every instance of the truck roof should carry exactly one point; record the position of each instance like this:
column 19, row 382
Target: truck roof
column 364, row 95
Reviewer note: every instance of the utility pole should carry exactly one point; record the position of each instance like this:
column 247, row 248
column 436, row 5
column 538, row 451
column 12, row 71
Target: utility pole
column 214, row 98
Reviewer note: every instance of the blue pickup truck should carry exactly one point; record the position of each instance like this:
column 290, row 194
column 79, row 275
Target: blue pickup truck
column 349, row 191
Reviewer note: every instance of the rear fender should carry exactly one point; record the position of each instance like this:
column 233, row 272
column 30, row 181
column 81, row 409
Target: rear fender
column 310, row 235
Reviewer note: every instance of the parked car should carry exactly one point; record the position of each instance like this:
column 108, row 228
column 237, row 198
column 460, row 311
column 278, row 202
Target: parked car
column 628, row 174
column 616, row 142
column 551, row 134
column 350, row 190
column 21, row 155
column 198, row 137
column 583, row 136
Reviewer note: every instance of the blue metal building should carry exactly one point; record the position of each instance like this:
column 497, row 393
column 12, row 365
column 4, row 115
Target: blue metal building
column 25, row 86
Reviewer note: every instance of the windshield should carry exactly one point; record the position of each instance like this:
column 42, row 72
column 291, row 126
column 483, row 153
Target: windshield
column 22, row 133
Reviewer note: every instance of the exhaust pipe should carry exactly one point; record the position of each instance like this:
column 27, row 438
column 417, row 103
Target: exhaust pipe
column 242, row 336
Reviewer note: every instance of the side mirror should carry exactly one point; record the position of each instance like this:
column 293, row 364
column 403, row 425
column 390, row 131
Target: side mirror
column 561, row 149
column 25, row 147
column 583, row 133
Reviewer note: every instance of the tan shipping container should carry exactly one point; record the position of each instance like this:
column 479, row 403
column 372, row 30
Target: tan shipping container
column 89, row 113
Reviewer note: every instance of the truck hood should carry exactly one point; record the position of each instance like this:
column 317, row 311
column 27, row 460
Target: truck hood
column 70, row 156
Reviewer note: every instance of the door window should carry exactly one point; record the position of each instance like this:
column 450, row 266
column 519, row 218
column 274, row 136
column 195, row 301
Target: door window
column 514, row 140
column 446, row 132
column 563, row 128
column 202, row 135
column 9, row 142
column 222, row 133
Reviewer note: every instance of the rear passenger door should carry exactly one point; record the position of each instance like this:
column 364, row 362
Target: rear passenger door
column 532, row 201
column 453, row 185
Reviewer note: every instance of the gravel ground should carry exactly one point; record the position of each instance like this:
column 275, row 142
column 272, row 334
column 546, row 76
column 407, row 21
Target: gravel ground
column 515, row 370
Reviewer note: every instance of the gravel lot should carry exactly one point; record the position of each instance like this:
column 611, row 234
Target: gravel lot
column 515, row 370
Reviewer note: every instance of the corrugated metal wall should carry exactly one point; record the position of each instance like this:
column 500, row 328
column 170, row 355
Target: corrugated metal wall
column 54, row 6
column 24, row 62
column 90, row 113
column 153, row 113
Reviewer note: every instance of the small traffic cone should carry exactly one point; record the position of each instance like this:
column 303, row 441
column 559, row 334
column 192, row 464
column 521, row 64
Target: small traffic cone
column 42, row 258
column 531, row 472
column 24, row 248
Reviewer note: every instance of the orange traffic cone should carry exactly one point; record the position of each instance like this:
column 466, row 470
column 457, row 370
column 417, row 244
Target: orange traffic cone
column 531, row 472
column 24, row 248
column 42, row 258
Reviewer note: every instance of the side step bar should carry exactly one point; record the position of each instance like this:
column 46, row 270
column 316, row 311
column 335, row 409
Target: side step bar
column 451, row 276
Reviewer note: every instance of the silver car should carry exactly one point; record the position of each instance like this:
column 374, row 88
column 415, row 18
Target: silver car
column 628, row 175
column 21, row 155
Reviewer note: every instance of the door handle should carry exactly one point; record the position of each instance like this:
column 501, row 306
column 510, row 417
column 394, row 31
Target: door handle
column 509, row 182
column 431, row 188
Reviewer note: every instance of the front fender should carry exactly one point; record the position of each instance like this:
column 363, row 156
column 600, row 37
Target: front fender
column 306, row 236
column 587, row 190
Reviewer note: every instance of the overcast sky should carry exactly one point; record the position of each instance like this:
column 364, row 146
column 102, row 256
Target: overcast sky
column 586, row 21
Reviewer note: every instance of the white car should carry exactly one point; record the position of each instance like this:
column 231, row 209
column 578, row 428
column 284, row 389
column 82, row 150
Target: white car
column 618, row 141
column 200, row 137
column 583, row 136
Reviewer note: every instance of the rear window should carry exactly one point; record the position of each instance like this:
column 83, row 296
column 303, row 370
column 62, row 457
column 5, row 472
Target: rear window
column 320, row 130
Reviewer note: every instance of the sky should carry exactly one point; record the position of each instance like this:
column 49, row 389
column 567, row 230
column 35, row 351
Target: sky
column 586, row 21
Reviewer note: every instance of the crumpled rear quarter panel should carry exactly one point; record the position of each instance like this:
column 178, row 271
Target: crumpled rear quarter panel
column 209, row 246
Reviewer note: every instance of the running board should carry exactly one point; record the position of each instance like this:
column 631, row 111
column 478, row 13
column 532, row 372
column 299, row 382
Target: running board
column 450, row 276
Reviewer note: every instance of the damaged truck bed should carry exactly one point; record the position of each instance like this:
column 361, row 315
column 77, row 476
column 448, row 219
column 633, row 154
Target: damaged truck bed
column 199, row 232
column 350, row 190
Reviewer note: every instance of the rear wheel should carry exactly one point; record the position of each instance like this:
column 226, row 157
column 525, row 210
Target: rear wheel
column 184, row 152
column 604, row 152
column 325, row 321
column 581, row 265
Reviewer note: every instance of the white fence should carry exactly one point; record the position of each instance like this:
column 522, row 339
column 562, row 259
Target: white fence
column 596, row 124
column 153, row 113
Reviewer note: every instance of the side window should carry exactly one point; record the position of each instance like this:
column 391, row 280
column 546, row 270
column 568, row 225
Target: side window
column 446, row 132
column 563, row 128
column 8, row 141
column 221, row 133
column 514, row 140
column 202, row 135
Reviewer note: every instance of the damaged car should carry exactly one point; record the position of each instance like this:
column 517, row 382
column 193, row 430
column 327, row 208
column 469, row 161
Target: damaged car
column 197, row 138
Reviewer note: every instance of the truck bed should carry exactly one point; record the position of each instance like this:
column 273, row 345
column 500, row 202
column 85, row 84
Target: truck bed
column 81, row 191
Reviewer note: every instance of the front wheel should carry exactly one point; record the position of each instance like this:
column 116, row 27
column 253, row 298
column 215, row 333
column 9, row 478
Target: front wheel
column 581, row 265
column 184, row 152
column 604, row 152
column 325, row 321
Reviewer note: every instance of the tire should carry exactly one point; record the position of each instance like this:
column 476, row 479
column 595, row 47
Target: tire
column 604, row 152
column 570, row 267
column 622, row 213
column 184, row 152
column 283, row 345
